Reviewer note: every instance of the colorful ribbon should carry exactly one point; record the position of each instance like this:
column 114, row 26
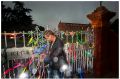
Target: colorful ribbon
column 18, row 65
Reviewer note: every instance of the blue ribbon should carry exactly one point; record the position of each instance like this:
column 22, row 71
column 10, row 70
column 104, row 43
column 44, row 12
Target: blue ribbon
column 39, row 50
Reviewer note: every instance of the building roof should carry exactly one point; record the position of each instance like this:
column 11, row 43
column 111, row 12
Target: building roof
column 62, row 26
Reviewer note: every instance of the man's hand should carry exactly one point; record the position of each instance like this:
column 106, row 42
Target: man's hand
column 42, row 57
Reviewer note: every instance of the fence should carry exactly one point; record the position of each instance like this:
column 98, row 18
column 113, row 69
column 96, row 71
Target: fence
column 79, row 54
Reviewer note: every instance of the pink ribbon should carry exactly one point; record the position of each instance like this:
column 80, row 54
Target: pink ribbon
column 16, row 66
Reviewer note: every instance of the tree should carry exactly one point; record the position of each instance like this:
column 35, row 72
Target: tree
column 18, row 18
column 6, row 17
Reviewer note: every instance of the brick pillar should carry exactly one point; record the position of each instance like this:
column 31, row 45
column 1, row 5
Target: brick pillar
column 100, row 21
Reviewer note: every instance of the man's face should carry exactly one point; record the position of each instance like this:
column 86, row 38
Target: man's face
column 48, row 37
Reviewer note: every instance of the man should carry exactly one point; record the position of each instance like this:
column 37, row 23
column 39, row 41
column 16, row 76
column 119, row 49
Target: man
column 56, row 53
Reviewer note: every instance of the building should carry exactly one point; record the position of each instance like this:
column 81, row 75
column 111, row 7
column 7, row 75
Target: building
column 62, row 26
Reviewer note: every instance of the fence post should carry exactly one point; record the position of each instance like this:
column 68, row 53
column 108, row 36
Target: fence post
column 5, row 39
column 81, row 36
column 15, row 38
column 37, row 33
column 47, row 27
column 31, row 36
column 24, row 38
column 66, row 36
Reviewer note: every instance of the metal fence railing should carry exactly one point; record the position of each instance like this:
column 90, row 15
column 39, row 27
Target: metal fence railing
column 15, row 47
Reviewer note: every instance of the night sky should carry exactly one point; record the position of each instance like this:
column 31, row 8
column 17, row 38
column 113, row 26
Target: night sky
column 50, row 13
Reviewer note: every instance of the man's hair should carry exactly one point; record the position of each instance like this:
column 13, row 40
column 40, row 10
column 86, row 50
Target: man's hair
column 48, row 32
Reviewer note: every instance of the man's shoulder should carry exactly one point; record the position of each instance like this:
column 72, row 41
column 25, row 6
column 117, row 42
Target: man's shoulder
column 59, row 40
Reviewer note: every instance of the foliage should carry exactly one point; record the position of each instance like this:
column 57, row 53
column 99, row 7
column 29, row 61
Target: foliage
column 17, row 19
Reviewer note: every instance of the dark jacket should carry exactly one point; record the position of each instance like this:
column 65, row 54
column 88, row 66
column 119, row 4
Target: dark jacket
column 57, row 51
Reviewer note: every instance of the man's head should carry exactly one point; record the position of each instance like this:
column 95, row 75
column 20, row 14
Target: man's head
column 49, row 35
